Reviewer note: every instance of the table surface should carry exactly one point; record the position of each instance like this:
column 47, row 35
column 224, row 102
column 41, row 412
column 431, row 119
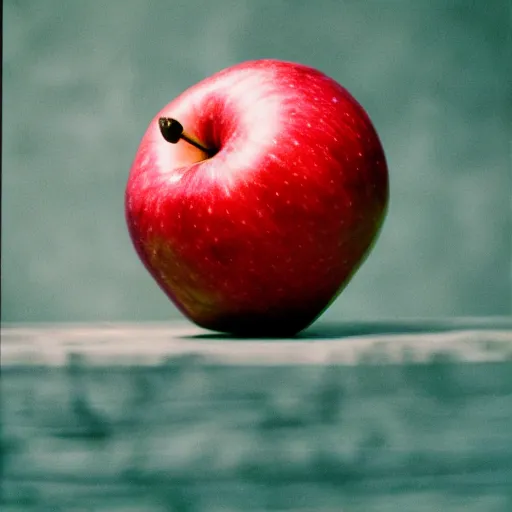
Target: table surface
column 346, row 343
column 363, row 416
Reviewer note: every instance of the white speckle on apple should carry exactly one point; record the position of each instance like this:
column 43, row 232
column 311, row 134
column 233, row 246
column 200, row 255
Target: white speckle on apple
column 309, row 125
column 174, row 178
column 286, row 182
column 277, row 194
column 334, row 99
column 296, row 143
column 145, row 161
column 210, row 210
column 227, row 212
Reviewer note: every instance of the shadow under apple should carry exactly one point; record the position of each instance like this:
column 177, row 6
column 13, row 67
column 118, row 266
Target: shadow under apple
column 331, row 330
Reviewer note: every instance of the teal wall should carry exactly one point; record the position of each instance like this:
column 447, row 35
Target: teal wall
column 81, row 80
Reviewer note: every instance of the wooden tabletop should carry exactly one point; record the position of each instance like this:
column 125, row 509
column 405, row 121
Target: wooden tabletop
column 346, row 343
column 363, row 416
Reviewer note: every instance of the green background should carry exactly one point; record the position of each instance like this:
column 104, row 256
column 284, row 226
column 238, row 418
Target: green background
column 81, row 80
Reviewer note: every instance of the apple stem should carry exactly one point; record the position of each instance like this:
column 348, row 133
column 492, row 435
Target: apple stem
column 172, row 131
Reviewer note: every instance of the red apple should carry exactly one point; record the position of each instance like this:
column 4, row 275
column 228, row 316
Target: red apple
column 260, row 230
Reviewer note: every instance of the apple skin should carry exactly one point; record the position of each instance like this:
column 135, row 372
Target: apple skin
column 259, row 239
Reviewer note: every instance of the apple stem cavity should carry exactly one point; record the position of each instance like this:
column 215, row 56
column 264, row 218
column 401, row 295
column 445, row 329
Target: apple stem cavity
column 172, row 131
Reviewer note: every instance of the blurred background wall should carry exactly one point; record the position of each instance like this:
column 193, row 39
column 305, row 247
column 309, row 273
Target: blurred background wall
column 81, row 81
